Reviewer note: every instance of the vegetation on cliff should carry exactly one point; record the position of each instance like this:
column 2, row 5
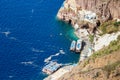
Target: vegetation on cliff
column 91, row 38
column 111, row 67
column 109, row 27
column 103, row 64
column 113, row 46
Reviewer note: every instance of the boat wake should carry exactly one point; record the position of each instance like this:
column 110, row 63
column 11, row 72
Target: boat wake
column 47, row 60
column 61, row 52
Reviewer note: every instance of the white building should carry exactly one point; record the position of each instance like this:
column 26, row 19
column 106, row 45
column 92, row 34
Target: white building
column 87, row 16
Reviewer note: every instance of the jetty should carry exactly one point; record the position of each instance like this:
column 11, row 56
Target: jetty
column 56, row 75
column 51, row 67
column 72, row 47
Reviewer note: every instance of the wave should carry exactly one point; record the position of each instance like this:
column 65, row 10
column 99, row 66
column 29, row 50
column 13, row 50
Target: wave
column 10, row 76
column 36, row 50
column 6, row 33
column 29, row 63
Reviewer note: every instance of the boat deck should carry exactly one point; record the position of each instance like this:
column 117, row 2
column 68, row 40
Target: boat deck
column 72, row 47
column 76, row 46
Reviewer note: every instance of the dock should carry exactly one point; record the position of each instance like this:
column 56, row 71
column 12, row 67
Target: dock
column 51, row 67
column 56, row 75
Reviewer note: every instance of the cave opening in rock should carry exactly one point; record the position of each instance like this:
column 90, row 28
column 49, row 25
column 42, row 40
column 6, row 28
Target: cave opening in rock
column 98, row 23
column 70, row 21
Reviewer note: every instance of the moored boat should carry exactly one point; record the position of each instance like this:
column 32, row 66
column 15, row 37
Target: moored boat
column 72, row 47
column 79, row 45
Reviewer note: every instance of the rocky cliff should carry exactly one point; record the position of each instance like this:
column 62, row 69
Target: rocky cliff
column 89, row 14
column 90, row 11
column 105, row 9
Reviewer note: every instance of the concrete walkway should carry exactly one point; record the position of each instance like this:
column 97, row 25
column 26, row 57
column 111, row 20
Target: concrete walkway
column 87, row 49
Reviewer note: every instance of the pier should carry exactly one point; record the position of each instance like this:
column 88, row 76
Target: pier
column 51, row 67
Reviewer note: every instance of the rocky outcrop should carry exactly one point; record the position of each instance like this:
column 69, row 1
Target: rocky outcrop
column 104, row 10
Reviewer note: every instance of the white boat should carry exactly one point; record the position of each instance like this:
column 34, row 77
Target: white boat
column 79, row 45
column 72, row 47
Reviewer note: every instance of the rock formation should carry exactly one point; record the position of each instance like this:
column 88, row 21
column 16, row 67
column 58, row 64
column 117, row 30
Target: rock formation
column 93, row 11
column 89, row 14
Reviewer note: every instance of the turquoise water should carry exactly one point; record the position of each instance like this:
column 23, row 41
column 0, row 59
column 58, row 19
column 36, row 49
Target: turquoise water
column 30, row 36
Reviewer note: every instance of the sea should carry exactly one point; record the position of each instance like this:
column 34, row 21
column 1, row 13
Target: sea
column 31, row 37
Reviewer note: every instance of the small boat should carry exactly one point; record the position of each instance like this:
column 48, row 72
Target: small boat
column 79, row 45
column 72, row 47
column 51, row 68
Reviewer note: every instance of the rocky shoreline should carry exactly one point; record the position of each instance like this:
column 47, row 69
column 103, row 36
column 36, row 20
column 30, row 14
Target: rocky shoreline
column 86, row 19
column 89, row 14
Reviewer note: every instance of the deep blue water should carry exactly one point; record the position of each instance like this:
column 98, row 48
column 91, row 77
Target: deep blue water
column 29, row 34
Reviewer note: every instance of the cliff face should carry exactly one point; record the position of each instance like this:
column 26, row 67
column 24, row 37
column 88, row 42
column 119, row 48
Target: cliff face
column 104, row 10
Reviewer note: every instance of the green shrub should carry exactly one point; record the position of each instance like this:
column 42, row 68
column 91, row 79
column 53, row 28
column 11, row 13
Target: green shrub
column 91, row 38
column 118, row 38
column 110, row 27
column 86, row 62
column 110, row 67
column 116, row 24
column 113, row 46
